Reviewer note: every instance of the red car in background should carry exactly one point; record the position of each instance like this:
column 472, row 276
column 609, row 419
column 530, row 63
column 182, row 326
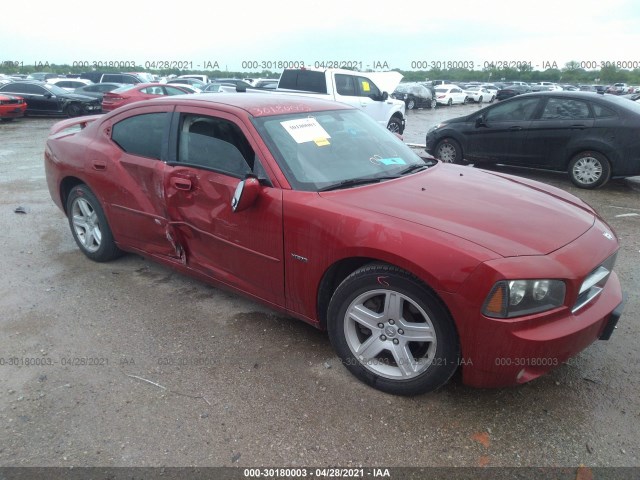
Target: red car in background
column 11, row 106
column 415, row 267
column 140, row 91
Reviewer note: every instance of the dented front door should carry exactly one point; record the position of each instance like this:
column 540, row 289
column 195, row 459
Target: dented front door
column 241, row 249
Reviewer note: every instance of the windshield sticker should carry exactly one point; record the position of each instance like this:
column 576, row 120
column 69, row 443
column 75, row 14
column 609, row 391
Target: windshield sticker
column 321, row 142
column 305, row 130
column 366, row 87
column 378, row 160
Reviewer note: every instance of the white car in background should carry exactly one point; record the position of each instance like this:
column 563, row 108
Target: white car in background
column 479, row 94
column 69, row 84
column 493, row 90
column 450, row 94
column 549, row 86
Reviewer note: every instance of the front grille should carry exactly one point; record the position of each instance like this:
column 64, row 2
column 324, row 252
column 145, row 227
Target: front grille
column 594, row 283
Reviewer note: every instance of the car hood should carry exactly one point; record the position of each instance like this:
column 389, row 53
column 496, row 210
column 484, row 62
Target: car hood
column 505, row 214
column 386, row 81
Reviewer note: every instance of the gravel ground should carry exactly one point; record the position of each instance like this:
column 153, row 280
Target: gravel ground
column 235, row 384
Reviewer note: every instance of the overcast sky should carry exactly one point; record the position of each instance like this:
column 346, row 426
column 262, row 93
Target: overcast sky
column 393, row 33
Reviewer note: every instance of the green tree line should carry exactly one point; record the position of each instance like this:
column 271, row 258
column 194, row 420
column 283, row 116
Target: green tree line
column 571, row 73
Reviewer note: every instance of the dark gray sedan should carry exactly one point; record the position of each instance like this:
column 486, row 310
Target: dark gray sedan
column 591, row 136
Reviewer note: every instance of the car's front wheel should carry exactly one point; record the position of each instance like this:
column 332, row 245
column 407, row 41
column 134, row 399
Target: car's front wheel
column 89, row 225
column 74, row 110
column 589, row 170
column 480, row 99
column 434, row 103
column 411, row 104
column 395, row 125
column 391, row 332
column 449, row 151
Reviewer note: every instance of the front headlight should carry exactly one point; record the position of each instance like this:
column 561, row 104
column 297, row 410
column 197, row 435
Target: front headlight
column 515, row 298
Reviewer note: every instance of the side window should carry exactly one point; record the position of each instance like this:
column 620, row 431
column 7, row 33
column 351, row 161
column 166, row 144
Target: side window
column 216, row 144
column 367, row 88
column 152, row 90
column 173, row 91
column 141, row 135
column 602, row 111
column 345, row 85
column 307, row 80
column 25, row 88
column 565, row 109
column 518, row 110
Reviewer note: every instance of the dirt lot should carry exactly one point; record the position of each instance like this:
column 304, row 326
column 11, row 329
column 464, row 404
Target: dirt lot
column 235, row 384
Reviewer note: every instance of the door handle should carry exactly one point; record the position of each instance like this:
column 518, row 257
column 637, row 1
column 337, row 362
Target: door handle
column 515, row 128
column 580, row 127
column 99, row 165
column 181, row 183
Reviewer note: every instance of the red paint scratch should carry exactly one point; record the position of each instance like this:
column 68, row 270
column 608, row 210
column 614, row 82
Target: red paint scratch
column 482, row 438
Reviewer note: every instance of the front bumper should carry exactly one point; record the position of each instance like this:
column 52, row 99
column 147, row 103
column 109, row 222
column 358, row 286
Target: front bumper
column 521, row 353
column 12, row 110
column 500, row 352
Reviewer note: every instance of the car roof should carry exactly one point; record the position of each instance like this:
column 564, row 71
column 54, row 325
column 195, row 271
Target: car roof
column 258, row 104
column 613, row 100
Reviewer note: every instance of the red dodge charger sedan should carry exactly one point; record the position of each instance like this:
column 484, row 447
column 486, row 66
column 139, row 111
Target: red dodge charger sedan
column 415, row 267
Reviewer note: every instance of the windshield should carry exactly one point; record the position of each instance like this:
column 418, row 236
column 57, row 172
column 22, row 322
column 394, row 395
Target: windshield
column 325, row 149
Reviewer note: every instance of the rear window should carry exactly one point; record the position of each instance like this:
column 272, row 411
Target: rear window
column 306, row 80
column 123, row 88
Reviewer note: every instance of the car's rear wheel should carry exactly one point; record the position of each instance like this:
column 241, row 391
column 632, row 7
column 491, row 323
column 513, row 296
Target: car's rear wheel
column 589, row 170
column 434, row 103
column 411, row 104
column 448, row 150
column 493, row 97
column 391, row 332
column 89, row 225
column 74, row 110
column 465, row 101
column 450, row 102
column 480, row 99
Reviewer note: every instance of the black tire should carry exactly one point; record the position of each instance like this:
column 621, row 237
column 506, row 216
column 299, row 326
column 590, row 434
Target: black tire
column 480, row 99
column 89, row 225
column 448, row 150
column 493, row 97
column 450, row 102
column 589, row 170
column 434, row 103
column 74, row 110
column 402, row 308
column 395, row 125
column 466, row 100
column 411, row 104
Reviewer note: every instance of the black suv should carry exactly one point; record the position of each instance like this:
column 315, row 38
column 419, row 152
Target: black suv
column 47, row 99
